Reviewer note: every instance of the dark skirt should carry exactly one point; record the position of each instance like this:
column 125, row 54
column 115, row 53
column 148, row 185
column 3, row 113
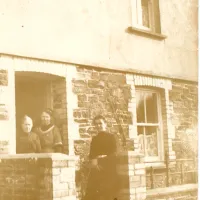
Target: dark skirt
column 104, row 183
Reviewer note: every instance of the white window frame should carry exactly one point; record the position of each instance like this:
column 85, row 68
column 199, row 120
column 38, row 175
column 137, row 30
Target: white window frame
column 136, row 7
column 160, row 139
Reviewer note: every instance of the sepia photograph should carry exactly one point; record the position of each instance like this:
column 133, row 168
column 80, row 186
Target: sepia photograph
column 99, row 99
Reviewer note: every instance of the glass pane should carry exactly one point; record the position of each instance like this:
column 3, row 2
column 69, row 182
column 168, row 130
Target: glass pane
column 151, row 108
column 151, row 141
column 141, row 139
column 145, row 13
column 140, row 107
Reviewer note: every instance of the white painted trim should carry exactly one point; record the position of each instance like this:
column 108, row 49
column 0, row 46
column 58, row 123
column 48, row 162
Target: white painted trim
column 160, row 139
column 35, row 156
column 72, row 103
column 12, row 111
column 153, row 82
column 159, row 164
column 111, row 66
column 134, row 12
column 139, row 12
column 33, row 65
column 136, row 7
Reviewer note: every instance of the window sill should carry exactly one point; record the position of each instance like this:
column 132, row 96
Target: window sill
column 146, row 33
column 155, row 165
column 172, row 189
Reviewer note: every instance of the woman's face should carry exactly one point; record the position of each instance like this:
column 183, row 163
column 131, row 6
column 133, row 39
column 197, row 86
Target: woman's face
column 100, row 125
column 45, row 118
column 27, row 125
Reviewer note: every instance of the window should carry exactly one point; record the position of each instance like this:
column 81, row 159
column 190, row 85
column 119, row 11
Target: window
column 149, row 124
column 146, row 15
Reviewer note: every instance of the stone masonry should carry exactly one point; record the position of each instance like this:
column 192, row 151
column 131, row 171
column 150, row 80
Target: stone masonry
column 85, row 92
column 37, row 177
column 3, row 77
column 183, row 192
column 60, row 108
column 184, row 96
column 112, row 94
column 131, row 170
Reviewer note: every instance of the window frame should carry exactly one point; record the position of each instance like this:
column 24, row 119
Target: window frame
column 137, row 15
column 159, row 125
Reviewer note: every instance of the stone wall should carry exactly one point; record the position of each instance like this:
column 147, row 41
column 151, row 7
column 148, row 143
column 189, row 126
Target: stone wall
column 3, row 77
column 184, row 112
column 184, row 96
column 95, row 90
column 37, row 177
column 4, row 114
column 112, row 94
column 132, row 176
column 3, row 88
column 59, row 93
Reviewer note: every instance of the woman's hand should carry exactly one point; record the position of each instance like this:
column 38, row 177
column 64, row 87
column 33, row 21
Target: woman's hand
column 94, row 164
column 102, row 156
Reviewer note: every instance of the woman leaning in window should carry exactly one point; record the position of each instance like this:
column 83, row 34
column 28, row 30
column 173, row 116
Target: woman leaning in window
column 49, row 133
column 27, row 141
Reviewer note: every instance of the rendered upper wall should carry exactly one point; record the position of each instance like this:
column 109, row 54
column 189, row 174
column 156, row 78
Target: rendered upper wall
column 93, row 32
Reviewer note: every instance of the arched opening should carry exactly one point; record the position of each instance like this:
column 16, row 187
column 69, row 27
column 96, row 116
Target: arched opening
column 35, row 91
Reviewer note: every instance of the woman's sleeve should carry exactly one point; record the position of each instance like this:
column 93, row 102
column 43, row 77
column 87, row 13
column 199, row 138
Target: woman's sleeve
column 38, row 144
column 92, row 154
column 113, row 145
column 57, row 137
column 35, row 142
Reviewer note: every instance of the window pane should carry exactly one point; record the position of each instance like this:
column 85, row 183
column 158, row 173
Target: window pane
column 145, row 13
column 141, row 139
column 147, row 140
column 151, row 145
column 151, row 108
column 140, row 107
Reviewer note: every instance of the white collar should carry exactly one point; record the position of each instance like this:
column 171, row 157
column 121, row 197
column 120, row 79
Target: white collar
column 43, row 132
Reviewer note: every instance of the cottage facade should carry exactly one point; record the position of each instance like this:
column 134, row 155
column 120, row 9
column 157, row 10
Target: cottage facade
column 134, row 61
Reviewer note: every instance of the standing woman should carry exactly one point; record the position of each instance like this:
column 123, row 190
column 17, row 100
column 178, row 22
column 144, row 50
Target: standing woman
column 103, row 179
column 49, row 133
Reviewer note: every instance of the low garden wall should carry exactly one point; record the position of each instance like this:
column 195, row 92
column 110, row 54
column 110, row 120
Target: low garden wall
column 37, row 177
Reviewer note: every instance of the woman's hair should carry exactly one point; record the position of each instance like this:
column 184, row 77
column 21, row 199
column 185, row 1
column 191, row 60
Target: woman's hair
column 24, row 118
column 49, row 111
column 97, row 118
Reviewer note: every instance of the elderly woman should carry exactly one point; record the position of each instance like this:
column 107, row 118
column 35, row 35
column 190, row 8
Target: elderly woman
column 49, row 133
column 103, row 179
column 27, row 141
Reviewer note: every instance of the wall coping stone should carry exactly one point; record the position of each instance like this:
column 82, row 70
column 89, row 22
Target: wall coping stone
column 131, row 153
column 53, row 156
column 172, row 189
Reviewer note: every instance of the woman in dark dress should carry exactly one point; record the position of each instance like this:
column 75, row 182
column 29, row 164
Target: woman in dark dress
column 49, row 133
column 103, row 179
column 27, row 141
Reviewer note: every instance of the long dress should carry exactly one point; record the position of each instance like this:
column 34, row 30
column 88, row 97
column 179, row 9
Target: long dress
column 103, row 183
column 50, row 138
